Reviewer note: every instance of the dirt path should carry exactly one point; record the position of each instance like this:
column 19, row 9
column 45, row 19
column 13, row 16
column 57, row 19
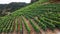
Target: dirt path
column 24, row 29
column 32, row 29
column 46, row 32
column 57, row 31
column 50, row 32
column 14, row 29
column 9, row 33
column 18, row 26
column 2, row 33
column 18, row 31
column 41, row 30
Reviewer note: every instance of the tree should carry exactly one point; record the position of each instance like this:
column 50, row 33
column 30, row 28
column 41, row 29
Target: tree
column 33, row 1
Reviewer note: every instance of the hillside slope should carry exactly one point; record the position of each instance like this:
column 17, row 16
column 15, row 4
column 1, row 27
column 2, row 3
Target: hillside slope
column 5, row 9
column 39, row 15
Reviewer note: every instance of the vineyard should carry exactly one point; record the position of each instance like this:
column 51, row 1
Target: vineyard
column 36, row 18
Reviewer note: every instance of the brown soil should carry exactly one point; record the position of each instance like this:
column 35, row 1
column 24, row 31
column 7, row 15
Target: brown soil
column 18, row 26
column 9, row 33
column 18, row 29
column 46, row 32
column 24, row 29
column 14, row 29
column 54, row 1
column 41, row 31
column 32, row 29
column 2, row 33
column 50, row 32
column 57, row 31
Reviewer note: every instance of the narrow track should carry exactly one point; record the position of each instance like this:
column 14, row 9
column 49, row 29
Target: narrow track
column 41, row 30
column 32, row 29
column 24, row 29
column 18, row 26
column 14, row 32
column 50, row 32
column 57, row 31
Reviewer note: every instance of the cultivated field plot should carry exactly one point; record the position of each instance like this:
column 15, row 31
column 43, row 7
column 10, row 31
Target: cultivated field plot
column 37, row 18
column 31, row 25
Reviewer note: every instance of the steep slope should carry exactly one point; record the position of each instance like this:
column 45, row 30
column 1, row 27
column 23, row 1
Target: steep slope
column 41, row 15
column 6, row 9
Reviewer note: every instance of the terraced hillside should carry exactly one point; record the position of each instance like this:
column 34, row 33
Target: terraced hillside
column 41, row 17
